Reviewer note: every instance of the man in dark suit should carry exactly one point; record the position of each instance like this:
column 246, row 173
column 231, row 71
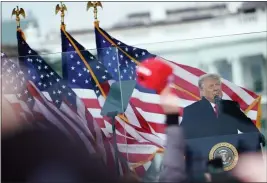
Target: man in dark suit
column 213, row 116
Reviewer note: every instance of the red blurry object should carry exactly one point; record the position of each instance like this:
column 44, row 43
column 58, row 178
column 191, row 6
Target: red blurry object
column 153, row 74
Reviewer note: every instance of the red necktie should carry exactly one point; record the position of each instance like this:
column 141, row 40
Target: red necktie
column 216, row 110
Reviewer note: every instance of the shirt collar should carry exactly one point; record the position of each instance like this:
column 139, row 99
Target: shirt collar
column 212, row 104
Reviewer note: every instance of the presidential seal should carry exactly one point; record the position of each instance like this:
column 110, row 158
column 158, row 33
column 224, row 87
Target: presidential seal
column 227, row 152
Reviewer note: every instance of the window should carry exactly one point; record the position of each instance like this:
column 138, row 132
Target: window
column 254, row 72
column 204, row 67
column 224, row 69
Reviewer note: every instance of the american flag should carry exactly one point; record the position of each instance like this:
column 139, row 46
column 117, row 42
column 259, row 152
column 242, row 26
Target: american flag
column 79, row 78
column 86, row 75
column 27, row 101
column 185, row 83
column 14, row 89
column 76, row 116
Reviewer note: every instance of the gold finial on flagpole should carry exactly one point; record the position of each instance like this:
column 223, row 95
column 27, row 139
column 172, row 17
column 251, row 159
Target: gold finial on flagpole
column 62, row 9
column 17, row 12
column 94, row 4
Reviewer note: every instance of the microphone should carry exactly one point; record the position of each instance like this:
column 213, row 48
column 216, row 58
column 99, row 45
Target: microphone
column 217, row 101
column 154, row 74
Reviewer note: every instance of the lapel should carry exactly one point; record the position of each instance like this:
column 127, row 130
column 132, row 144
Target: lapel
column 207, row 107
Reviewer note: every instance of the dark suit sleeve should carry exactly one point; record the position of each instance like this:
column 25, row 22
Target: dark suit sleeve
column 186, row 124
column 245, row 124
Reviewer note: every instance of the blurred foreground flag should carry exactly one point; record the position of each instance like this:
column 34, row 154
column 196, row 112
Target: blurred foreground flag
column 14, row 90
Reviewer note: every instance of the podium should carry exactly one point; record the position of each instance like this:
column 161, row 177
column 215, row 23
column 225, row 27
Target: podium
column 200, row 151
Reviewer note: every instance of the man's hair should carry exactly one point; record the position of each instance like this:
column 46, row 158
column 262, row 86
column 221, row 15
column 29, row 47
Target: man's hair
column 205, row 76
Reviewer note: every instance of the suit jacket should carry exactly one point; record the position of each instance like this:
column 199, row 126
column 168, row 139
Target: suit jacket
column 200, row 120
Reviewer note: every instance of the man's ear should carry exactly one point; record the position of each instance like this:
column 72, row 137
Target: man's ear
column 200, row 92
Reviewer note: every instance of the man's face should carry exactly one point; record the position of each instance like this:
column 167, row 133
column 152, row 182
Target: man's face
column 210, row 88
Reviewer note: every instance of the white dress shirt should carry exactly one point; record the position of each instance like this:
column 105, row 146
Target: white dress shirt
column 213, row 106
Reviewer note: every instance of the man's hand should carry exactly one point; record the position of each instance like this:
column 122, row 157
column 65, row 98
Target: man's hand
column 169, row 102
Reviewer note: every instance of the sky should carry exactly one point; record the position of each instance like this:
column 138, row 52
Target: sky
column 78, row 18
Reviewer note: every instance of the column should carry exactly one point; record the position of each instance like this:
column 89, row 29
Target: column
column 237, row 71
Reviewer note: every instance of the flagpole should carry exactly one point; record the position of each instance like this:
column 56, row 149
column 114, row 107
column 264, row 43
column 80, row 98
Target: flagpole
column 61, row 8
column 94, row 4
column 17, row 12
